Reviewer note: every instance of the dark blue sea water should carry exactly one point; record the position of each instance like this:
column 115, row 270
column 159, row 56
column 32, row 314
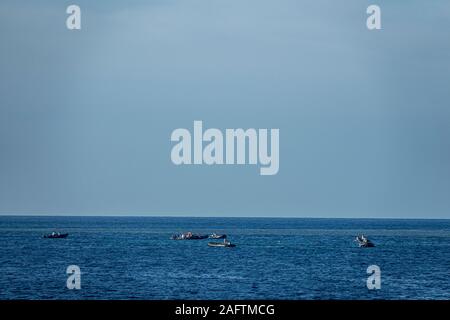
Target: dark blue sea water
column 133, row 258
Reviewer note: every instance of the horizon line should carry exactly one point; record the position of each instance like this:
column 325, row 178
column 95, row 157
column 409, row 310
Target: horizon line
column 218, row 216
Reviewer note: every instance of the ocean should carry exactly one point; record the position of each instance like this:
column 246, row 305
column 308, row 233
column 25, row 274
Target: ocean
column 274, row 258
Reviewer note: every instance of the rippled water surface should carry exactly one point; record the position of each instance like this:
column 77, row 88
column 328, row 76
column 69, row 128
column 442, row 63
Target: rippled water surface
column 133, row 258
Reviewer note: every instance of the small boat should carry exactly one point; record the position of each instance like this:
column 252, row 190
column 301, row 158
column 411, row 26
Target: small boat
column 56, row 235
column 226, row 244
column 217, row 236
column 188, row 236
column 363, row 242
column 197, row 237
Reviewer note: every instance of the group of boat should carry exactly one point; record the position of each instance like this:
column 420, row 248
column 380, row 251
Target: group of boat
column 362, row 240
column 214, row 236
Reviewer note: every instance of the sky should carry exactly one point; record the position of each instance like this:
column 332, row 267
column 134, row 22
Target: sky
column 364, row 116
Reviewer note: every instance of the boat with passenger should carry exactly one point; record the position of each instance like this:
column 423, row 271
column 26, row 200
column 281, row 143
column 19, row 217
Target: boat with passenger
column 364, row 242
column 188, row 236
column 56, row 235
column 217, row 236
column 224, row 244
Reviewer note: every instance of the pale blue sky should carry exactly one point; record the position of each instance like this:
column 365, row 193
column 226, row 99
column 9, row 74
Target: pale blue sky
column 364, row 116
